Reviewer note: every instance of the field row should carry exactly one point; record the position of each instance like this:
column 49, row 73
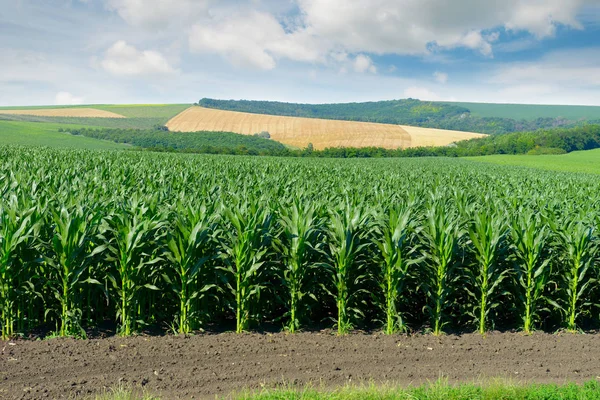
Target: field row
column 189, row 242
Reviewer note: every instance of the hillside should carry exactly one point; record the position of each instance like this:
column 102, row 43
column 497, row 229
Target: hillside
column 118, row 116
column 484, row 118
column 82, row 112
column 47, row 134
column 322, row 133
column 530, row 112
column 587, row 161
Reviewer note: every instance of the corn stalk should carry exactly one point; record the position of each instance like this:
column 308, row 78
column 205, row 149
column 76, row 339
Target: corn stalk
column 188, row 248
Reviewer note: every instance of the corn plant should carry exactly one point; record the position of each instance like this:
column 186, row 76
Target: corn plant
column 188, row 248
column 529, row 241
column 71, row 250
column 18, row 230
column 441, row 235
column 245, row 244
column 488, row 232
column 393, row 240
column 299, row 243
column 578, row 252
column 131, row 234
column 349, row 229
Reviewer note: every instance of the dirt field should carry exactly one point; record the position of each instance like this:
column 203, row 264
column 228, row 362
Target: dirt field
column 65, row 112
column 321, row 133
column 205, row 365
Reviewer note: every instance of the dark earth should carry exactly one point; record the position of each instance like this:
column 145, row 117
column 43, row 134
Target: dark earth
column 207, row 365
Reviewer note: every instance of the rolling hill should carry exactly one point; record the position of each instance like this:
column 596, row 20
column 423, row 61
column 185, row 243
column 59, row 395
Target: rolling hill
column 80, row 112
column 468, row 117
column 322, row 133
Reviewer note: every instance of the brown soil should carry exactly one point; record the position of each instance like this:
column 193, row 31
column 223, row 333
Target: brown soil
column 204, row 365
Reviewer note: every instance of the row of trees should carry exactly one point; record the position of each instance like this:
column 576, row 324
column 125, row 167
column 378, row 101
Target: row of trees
column 551, row 141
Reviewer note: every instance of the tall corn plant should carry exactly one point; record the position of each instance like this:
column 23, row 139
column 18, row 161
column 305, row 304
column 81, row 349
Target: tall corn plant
column 349, row 235
column 71, row 251
column 530, row 236
column 132, row 233
column 578, row 251
column 189, row 246
column 441, row 234
column 488, row 230
column 394, row 229
column 299, row 242
column 246, row 243
column 19, row 229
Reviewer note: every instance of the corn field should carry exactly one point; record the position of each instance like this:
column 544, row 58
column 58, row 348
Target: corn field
column 184, row 243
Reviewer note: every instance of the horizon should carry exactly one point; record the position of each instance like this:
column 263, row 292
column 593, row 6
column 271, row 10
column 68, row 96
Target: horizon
column 87, row 52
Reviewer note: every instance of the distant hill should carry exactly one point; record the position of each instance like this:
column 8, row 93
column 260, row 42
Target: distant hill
column 530, row 111
column 468, row 117
column 320, row 133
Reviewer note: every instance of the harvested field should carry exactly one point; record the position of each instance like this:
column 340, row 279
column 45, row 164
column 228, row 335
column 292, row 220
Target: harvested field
column 425, row 137
column 205, row 365
column 322, row 133
column 65, row 112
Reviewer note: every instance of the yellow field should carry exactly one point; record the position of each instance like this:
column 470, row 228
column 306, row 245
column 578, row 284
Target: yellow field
column 322, row 133
column 65, row 112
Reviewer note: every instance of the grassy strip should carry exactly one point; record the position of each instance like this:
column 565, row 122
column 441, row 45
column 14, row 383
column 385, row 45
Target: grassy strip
column 37, row 134
column 587, row 161
column 440, row 390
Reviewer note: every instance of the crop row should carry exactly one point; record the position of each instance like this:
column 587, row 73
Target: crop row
column 191, row 242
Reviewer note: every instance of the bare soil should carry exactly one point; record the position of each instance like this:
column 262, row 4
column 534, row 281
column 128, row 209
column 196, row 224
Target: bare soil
column 206, row 365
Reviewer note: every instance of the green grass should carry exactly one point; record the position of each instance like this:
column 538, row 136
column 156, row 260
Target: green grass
column 440, row 390
column 531, row 111
column 139, row 116
column 163, row 111
column 578, row 161
column 46, row 134
column 122, row 394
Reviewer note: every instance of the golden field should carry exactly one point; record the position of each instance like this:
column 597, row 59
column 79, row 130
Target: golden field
column 65, row 112
column 322, row 133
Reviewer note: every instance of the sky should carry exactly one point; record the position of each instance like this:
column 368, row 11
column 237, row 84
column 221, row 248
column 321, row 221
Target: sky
column 311, row 51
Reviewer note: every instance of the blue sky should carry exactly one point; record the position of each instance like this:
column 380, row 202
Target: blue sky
column 314, row 51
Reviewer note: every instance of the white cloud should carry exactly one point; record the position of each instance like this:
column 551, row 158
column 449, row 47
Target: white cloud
column 159, row 14
column 124, row 59
column 440, row 77
column 409, row 26
column 325, row 30
column 255, row 40
column 363, row 63
column 66, row 98
column 540, row 17
column 570, row 68
column 421, row 93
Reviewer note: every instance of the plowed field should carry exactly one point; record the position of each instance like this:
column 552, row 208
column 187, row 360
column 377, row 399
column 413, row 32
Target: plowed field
column 216, row 364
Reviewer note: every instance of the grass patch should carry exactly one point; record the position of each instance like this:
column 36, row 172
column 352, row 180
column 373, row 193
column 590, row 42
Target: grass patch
column 531, row 111
column 159, row 111
column 46, row 134
column 139, row 116
column 436, row 391
column 122, row 394
column 587, row 161
column 440, row 390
